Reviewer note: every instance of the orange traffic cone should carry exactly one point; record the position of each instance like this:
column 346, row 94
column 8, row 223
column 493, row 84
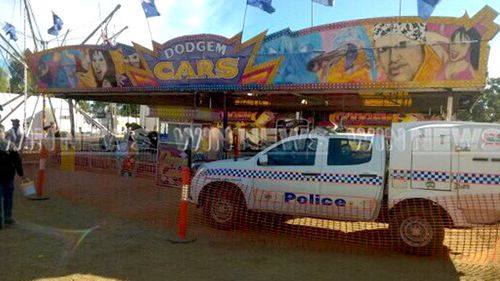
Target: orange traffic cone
column 44, row 155
column 183, row 210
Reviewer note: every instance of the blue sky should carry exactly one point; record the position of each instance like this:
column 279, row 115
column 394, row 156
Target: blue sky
column 223, row 17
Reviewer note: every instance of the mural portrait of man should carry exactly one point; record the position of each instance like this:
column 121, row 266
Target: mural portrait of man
column 402, row 52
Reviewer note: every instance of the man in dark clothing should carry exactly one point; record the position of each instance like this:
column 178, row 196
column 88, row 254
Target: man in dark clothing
column 10, row 163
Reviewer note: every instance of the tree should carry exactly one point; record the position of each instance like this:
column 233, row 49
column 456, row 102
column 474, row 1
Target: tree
column 16, row 81
column 4, row 81
column 97, row 107
column 125, row 109
column 84, row 105
column 487, row 107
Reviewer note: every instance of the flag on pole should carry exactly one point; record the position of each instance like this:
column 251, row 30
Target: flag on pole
column 57, row 27
column 264, row 5
column 426, row 7
column 325, row 2
column 10, row 30
column 149, row 8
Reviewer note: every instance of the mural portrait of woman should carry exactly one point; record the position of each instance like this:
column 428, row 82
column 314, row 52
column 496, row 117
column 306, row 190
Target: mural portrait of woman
column 464, row 54
column 459, row 50
column 103, row 68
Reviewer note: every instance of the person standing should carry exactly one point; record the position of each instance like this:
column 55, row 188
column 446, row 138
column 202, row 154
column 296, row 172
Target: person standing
column 14, row 134
column 10, row 163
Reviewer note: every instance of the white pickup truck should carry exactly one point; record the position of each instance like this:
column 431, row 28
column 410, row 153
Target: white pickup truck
column 433, row 175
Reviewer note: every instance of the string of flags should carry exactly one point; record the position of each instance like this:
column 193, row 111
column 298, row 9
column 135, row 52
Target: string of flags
column 10, row 30
column 425, row 9
column 266, row 5
column 57, row 26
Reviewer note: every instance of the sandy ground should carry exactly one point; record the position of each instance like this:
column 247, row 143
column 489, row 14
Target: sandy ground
column 79, row 234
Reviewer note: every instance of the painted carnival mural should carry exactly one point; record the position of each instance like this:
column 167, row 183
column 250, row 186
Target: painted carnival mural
column 404, row 52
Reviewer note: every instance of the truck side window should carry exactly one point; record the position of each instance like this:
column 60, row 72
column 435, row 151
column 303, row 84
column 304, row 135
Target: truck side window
column 299, row 152
column 349, row 152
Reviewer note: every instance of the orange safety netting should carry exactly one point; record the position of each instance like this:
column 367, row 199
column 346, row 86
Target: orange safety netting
column 227, row 212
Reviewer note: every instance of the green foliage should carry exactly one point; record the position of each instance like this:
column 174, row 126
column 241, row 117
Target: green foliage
column 487, row 107
column 123, row 109
column 84, row 105
column 128, row 109
column 4, row 81
column 99, row 106
column 17, row 77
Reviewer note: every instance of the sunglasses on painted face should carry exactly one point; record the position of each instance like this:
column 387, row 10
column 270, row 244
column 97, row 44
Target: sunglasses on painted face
column 400, row 45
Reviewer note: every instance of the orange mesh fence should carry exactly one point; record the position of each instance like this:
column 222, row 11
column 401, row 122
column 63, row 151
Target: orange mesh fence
column 30, row 157
column 427, row 226
column 462, row 227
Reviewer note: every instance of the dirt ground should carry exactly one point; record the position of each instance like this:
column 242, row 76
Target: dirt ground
column 82, row 235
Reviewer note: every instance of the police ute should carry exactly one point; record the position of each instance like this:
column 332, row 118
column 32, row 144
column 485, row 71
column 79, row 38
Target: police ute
column 425, row 177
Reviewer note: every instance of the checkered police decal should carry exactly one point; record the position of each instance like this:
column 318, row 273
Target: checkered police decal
column 294, row 176
column 472, row 178
column 401, row 174
column 477, row 178
column 420, row 175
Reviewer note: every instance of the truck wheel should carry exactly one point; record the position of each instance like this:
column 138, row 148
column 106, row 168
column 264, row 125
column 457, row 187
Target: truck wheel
column 225, row 208
column 417, row 230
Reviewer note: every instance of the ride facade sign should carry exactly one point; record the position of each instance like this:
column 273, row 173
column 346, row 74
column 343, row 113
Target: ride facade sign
column 376, row 54
column 211, row 59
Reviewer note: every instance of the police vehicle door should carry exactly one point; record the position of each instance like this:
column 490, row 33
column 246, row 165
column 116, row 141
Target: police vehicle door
column 477, row 179
column 352, row 180
column 286, row 177
column 431, row 159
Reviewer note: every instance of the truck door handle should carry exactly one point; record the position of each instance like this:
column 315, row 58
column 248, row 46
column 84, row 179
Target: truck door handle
column 367, row 176
column 310, row 174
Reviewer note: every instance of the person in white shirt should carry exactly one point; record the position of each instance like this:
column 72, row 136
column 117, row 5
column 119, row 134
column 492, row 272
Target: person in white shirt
column 14, row 135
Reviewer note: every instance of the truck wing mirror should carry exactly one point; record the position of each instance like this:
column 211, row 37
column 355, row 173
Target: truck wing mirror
column 263, row 159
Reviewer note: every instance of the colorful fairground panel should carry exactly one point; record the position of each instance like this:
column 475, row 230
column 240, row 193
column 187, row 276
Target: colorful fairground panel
column 379, row 53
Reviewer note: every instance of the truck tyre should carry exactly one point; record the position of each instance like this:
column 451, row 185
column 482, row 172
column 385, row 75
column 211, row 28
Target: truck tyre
column 225, row 208
column 418, row 230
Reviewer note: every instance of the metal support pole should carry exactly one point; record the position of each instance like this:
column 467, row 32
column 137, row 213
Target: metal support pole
column 103, row 22
column 32, row 115
column 13, row 99
column 118, row 33
column 449, row 108
column 53, row 113
column 224, row 127
column 112, row 114
column 31, row 25
column 43, row 115
column 19, row 56
column 312, row 13
column 25, row 105
column 64, row 38
column 72, row 117
column 12, row 111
